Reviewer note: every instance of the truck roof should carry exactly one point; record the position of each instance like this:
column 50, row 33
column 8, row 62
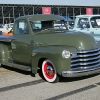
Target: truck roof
column 40, row 17
column 87, row 16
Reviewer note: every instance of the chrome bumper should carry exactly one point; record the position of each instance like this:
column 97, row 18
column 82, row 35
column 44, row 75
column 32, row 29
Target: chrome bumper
column 81, row 72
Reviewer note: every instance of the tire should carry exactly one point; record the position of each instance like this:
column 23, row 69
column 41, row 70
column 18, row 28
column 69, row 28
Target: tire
column 49, row 71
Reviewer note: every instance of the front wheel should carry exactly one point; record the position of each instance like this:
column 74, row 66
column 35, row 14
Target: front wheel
column 49, row 71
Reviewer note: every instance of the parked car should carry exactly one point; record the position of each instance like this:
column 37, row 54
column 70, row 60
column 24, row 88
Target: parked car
column 89, row 24
column 8, row 27
column 37, row 45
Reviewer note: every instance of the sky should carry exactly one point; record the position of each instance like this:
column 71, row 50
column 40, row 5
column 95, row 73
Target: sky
column 54, row 2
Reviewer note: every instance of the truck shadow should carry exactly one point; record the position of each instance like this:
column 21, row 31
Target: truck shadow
column 64, row 79
column 16, row 70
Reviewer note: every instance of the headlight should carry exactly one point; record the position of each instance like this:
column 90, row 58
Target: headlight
column 65, row 54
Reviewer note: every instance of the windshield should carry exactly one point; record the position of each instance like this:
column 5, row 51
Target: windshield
column 83, row 23
column 52, row 24
column 95, row 22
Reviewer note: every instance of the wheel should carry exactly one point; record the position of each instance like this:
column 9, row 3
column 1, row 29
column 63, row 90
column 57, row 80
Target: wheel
column 49, row 71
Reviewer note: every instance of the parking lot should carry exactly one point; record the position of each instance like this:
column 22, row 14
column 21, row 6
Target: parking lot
column 19, row 85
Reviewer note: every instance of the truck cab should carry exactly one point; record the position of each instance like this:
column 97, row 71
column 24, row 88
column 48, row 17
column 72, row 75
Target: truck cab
column 89, row 24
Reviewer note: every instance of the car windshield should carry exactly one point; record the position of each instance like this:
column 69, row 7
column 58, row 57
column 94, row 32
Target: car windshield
column 11, row 25
column 83, row 23
column 95, row 22
column 51, row 24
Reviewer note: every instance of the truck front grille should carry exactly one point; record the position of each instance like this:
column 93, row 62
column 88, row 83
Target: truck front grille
column 85, row 59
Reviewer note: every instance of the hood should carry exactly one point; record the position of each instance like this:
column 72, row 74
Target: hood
column 78, row 40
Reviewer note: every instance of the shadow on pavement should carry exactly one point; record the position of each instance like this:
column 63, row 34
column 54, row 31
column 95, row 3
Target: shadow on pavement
column 16, row 70
column 64, row 79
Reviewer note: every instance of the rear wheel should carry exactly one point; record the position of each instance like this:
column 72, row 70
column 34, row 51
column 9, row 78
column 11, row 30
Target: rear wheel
column 49, row 71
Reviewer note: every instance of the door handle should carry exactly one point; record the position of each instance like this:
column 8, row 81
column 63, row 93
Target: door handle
column 14, row 39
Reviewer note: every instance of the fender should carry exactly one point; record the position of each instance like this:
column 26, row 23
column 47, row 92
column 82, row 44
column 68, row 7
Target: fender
column 53, row 53
column 4, row 53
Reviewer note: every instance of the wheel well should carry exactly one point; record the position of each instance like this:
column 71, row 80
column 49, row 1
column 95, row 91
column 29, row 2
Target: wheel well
column 40, row 62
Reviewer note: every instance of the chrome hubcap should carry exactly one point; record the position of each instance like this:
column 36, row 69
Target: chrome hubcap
column 49, row 70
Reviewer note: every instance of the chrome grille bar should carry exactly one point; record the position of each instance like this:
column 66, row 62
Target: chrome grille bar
column 85, row 63
column 86, row 55
column 85, row 58
column 92, row 66
column 88, row 51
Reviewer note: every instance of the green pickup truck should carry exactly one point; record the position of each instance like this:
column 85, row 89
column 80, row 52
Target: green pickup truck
column 39, row 44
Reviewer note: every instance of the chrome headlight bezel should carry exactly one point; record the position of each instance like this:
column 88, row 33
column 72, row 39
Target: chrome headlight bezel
column 66, row 54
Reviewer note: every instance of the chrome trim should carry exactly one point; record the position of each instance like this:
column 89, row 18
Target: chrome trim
column 85, row 63
column 38, row 43
column 85, row 59
column 49, row 68
column 88, row 51
column 79, row 73
column 87, row 67
column 86, row 55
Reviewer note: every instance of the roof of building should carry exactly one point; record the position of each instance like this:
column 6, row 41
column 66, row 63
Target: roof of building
column 87, row 16
column 53, row 2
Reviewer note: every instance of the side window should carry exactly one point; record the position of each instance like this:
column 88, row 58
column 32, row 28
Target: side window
column 83, row 23
column 21, row 27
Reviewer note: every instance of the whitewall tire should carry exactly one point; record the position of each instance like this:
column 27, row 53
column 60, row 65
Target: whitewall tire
column 49, row 71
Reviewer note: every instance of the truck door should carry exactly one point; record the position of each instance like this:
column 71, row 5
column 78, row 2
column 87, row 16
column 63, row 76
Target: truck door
column 21, row 51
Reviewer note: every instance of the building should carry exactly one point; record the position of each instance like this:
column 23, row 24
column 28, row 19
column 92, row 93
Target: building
column 12, row 9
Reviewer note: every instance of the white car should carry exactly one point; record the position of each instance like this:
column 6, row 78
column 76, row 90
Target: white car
column 6, row 27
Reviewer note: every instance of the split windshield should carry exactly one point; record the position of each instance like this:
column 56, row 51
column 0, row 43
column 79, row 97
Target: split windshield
column 85, row 23
column 52, row 24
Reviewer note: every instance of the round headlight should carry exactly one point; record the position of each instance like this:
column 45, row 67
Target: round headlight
column 65, row 54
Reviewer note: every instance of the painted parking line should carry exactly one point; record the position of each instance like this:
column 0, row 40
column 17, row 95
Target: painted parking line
column 6, row 72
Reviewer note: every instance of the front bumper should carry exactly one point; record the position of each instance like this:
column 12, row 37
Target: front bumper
column 81, row 72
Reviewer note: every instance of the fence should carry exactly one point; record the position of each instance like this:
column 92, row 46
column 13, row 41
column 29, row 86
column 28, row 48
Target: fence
column 10, row 12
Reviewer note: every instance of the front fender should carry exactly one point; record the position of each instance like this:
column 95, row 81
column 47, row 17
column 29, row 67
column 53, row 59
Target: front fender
column 54, row 54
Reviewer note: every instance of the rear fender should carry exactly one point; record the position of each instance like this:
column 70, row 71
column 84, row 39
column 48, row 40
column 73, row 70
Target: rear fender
column 4, row 53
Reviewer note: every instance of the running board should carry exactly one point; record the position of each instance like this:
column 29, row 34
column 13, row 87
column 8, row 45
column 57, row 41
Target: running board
column 17, row 66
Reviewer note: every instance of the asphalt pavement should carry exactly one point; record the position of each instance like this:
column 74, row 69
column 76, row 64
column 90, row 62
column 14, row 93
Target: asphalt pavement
column 20, row 85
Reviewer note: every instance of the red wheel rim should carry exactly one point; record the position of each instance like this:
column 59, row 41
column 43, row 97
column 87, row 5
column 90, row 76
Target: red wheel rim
column 49, row 74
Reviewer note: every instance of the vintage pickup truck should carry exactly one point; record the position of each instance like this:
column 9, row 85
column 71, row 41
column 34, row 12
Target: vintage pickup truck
column 89, row 24
column 38, row 44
